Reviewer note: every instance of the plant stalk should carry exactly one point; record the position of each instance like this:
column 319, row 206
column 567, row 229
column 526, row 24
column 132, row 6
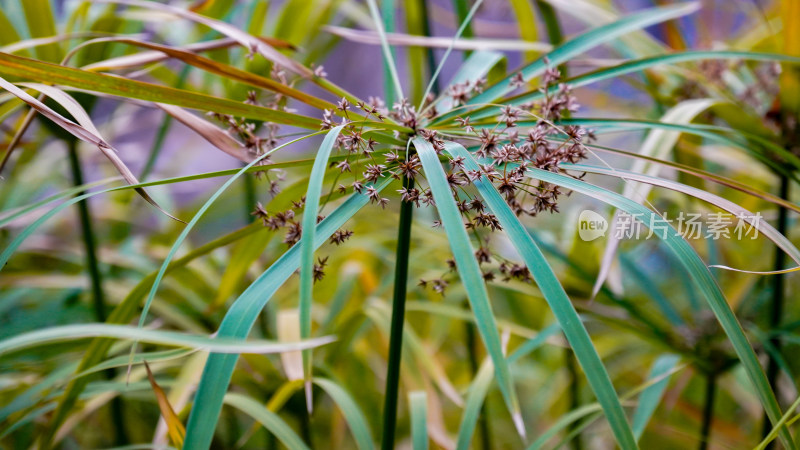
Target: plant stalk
column 387, row 12
column 98, row 297
column 776, row 306
column 708, row 410
column 431, row 57
column 398, row 318
column 461, row 8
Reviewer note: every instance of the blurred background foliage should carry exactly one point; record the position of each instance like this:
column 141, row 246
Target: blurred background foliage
column 649, row 323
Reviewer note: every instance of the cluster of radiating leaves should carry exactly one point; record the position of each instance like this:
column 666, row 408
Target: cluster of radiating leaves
column 505, row 154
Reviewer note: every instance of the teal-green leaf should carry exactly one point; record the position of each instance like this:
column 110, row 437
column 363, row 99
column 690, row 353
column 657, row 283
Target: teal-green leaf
column 559, row 302
column 582, row 43
column 240, row 319
column 309, row 224
column 469, row 272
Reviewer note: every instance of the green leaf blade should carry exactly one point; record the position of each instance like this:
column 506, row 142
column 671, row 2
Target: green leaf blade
column 469, row 272
column 240, row 319
column 559, row 302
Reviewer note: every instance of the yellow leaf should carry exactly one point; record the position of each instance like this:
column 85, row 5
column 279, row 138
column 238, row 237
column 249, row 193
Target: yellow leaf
column 175, row 428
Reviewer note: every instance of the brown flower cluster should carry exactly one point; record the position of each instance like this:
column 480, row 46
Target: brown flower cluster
column 518, row 138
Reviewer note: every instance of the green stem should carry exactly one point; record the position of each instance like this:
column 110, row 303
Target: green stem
column 554, row 33
column 708, row 410
column 426, row 30
column 387, row 12
column 551, row 23
column 398, row 317
column 461, row 8
column 776, row 307
column 98, row 298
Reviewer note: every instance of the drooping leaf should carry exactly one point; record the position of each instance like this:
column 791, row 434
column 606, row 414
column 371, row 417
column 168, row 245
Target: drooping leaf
column 470, row 273
column 240, row 318
column 307, row 244
column 556, row 297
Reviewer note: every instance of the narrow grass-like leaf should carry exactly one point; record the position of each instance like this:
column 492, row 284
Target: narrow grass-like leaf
column 41, row 23
column 149, row 57
column 470, row 274
column 412, row 40
column 563, row 422
column 534, row 342
column 172, row 338
column 559, row 302
column 42, row 72
column 250, row 42
column 269, row 419
column 189, row 226
column 638, row 65
column 309, row 227
column 762, row 226
column 778, row 426
column 651, row 396
column 705, row 175
column 122, row 314
column 582, row 43
column 525, row 15
column 657, row 144
column 728, row 136
column 418, row 405
column 14, row 245
column 223, row 70
column 150, row 357
column 9, row 215
column 85, row 132
column 213, row 134
column 175, row 427
column 472, row 408
column 593, row 411
column 240, row 319
column 344, row 401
